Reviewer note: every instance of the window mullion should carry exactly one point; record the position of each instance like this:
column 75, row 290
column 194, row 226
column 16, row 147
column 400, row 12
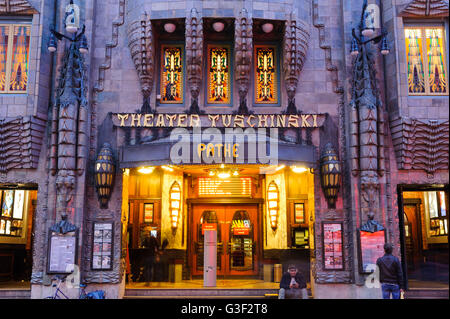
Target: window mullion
column 425, row 61
column 9, row 58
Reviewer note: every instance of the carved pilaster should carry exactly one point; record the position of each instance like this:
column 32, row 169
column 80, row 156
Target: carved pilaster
column 243, row 57
column 140, row 43
column 296, row 39
column 194, row 56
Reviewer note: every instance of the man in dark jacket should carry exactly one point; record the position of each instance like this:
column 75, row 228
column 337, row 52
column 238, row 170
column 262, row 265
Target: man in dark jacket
column 391, row 275
column 151, row 250
column 293, row 285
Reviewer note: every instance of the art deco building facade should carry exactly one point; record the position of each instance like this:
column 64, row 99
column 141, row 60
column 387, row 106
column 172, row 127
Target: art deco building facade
column 302, row 131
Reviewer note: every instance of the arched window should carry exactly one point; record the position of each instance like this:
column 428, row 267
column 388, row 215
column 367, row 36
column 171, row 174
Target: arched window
column 273, row 200
column 175, row 204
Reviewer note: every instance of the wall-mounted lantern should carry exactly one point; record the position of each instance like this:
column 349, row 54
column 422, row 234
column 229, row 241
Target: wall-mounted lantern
column 267, row 27
column 72, row 17
column 273, row 199
column 218, row 26
column 330, row 174
column 175, row 205
column 104, row 174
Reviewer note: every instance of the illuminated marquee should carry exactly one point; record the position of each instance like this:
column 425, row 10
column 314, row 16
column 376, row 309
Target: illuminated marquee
column 231, row 187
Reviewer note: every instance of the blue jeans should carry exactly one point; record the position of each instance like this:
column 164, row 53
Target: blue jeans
column 389, row 289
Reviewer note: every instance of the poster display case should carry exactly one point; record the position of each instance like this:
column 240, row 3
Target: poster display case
column 62, row 253
column 371, row 247
column 333, row 253
column 102, row 246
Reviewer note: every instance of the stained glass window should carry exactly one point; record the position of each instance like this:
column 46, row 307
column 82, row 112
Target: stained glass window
column 14, row 58
column 426, row 67
column 171, row 74
column 219, row 91
column 265, row 75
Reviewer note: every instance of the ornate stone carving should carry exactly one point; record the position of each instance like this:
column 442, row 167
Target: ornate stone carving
column 295, row 45
column 68, row 147
column 194, row 57
column 140, row 42
column 425, row 8
column 243, row 53
column 20, row 142
column 421, row 144
column 16, row 7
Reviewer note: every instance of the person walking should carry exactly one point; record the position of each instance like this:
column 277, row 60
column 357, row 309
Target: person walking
column 391, row 274
column 292, row 285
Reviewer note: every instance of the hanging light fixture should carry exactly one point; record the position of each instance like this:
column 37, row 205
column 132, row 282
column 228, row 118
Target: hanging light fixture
column 104, row 174
column 267, row 27
column 330, row 174
column 354, row 50
column 175, row 205
column 218, row 26
column 170, row 27
column 384, row 46
column 84, row 45
column 52, row 43
column 273, row 198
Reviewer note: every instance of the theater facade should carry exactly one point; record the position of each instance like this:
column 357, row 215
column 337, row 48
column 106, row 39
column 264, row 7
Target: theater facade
column 302, row 132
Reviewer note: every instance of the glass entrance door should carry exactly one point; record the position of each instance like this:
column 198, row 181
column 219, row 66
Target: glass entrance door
column 236, row 238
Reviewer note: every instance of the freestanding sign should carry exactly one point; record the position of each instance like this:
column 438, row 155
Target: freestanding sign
column 210, row 258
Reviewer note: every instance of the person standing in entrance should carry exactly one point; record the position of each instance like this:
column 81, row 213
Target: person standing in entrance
column 151, row 245
column 391, row 275
column 293, row 285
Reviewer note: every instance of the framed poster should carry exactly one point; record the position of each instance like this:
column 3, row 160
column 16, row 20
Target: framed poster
column 102, row 246
column 299, row 213
column 62, row 252
column 371, row 247
column 333, row 253
column 7, row 203
column 19, row 198
column 148, row 213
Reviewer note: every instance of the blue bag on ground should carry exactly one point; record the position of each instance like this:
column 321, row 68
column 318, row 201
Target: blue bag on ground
column 98, row 294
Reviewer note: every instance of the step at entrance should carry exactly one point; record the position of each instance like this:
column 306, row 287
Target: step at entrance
column 427, row 293
column 199, row 293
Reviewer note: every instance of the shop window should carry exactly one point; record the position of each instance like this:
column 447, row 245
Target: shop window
column 426, row 61
column 12, row 213
column 14, row 57
column 438, row 213
column 266, row 74
column 172, row 74
column 219, row 74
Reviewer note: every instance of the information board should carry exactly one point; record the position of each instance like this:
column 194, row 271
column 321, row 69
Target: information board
column 62, row 253
column 102, row 246
column 371, row 248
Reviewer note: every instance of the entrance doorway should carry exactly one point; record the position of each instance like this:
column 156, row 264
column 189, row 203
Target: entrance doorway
column 424, row 224
column 237, row 238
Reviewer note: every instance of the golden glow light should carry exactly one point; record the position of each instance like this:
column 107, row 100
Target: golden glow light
column 175, row 204
column 146, row 169
column 299, row 169
column 223, row 175
column 167, row 168
column 273, row 195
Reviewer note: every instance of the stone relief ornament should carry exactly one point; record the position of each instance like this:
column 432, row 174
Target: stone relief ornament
column 425, row 8
column 243, row 57
column 194, row 57
column 16, row 7
column 140, row 43
column 295, row 46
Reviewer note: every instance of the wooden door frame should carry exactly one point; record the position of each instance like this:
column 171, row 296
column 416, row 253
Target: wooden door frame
column 190, row 202
column 401, row 222
column 416, row 202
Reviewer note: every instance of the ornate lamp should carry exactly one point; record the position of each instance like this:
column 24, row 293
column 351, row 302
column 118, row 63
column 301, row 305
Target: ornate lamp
column 330, row 174
column 84, row 48
column 104, row 174
column 267, row 27
column 384, row 46
column 169, row 27
column 72, row 17
column 175, row 205
column 52, row 43
column 354, row 48
column 273, row 198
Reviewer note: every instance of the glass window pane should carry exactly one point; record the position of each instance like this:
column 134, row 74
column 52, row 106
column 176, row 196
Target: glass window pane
column 436, row 66
column 218, row 75
column 19, row 63
column 443, row 203
column 4, row 32
column 432, row 204
column 416, row 76
column 171, row 74
column 265, row 76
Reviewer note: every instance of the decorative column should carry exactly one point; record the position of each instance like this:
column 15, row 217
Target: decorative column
column 295, row 46
column 194, row 57
column 243, row 56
